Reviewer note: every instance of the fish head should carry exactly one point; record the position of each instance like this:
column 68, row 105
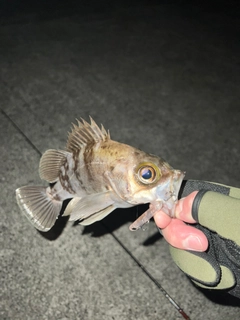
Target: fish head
column 146, row 178
column 156, row 182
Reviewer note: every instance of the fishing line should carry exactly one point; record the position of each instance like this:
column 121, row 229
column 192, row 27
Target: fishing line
column 140, row 265
column 159, row 286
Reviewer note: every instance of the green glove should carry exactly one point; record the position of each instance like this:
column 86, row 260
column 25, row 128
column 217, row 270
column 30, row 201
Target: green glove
column 217, row 209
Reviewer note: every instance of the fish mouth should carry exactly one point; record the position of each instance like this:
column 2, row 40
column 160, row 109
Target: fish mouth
column 168, row 194
column 166, row 200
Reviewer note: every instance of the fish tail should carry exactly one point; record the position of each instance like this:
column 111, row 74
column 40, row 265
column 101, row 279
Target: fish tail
column 38, row 206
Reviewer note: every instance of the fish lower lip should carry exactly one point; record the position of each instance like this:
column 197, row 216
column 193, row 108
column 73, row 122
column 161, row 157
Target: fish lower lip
column 170, row 203
column 170, row 189
column 168, row 193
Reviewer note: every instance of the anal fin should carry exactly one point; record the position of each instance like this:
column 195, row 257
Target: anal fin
column 97, row 216
column 38, row 207
column 91, row 208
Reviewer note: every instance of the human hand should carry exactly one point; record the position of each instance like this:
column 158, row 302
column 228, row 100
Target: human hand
column 176, row 232
column 215, row 210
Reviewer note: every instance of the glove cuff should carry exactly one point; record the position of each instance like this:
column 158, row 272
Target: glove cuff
column 196, row 203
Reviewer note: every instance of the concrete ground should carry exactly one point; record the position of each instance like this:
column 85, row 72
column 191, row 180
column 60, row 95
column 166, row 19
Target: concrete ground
column 163, row 76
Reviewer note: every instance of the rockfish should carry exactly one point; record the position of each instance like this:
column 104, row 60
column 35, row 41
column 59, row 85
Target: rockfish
column 99, row 175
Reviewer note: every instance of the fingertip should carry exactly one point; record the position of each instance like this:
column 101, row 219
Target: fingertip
column 185, row 237
column 195, row 243
column 161, row 219
column 205, row 243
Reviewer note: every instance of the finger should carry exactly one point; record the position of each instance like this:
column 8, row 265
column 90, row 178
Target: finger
column 161, row 219
column 183, row 236
column 183, row 212
column 183, row 209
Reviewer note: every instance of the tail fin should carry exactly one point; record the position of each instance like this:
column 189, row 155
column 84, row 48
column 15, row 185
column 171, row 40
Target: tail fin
column 38, row 207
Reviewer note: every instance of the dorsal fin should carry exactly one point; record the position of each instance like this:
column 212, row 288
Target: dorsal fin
column 85, row 133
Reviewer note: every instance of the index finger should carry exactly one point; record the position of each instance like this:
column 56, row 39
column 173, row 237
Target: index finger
column 183, row 209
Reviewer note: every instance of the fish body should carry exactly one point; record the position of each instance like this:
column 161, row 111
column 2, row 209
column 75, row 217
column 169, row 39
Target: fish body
column 99, row 175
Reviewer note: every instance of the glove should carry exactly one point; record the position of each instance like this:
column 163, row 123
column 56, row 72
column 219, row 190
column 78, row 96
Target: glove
column 216, row 208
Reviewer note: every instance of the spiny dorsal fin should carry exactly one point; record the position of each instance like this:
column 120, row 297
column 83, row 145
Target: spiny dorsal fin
column 85, row 133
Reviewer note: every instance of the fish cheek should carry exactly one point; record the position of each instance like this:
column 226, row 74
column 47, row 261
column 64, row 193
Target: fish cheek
column 117, row 177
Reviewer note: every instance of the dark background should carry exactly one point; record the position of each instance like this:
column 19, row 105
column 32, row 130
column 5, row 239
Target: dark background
column 163, row 76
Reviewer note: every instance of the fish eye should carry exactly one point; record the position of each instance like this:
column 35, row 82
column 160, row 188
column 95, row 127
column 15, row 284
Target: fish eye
column 147, row 174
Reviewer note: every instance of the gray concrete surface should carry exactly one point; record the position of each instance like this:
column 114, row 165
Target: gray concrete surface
column 162, row 76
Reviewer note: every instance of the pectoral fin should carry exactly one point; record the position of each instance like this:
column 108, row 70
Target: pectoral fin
column 90, row 208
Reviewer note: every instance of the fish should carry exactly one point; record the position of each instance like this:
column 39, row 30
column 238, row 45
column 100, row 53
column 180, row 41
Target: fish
column 98, row 175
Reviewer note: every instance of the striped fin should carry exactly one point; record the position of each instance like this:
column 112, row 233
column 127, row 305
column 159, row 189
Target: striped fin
column 37, row 206
column 50, row 164
column 86, row 133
